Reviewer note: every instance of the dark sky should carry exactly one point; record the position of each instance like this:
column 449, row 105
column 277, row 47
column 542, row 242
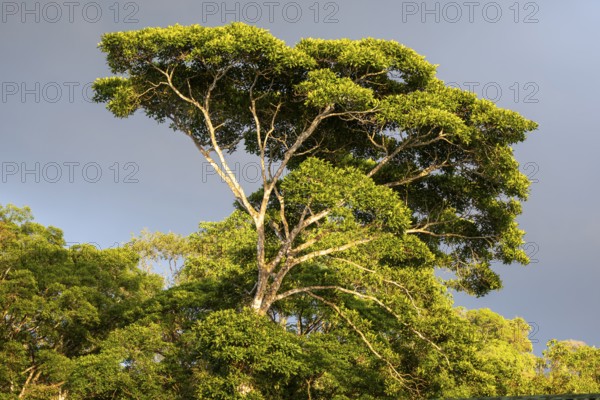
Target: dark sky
column 101, row 179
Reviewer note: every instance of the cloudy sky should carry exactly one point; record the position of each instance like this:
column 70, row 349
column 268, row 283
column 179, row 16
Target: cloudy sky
column 101, row 179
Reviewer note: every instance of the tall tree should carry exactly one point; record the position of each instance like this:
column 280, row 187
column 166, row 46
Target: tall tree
column 390, row 170
column 372, row 104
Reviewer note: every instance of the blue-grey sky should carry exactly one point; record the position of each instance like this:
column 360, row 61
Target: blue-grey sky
column 101, row 179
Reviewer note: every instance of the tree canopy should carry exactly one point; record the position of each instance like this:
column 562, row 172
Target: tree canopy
column 374, row 174
column 322, row 283
column 369, row 111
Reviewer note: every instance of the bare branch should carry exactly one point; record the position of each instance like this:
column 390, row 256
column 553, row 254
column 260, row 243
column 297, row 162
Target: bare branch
column 406, row 144
column 307, row 244
column 284, row 221
column 257, row 125
column 420, row 175
column 239, row 195
column 319, row 253
column 456, row 235
column 227, row 175
column 300, row 139
column 302, row 224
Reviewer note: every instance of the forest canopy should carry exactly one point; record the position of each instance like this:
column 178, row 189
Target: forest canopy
column 84, row 323
column 322, row 282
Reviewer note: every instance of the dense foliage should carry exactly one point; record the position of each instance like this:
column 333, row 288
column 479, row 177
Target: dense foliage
column 321, row 284
column 82, row 323
column 58, row 304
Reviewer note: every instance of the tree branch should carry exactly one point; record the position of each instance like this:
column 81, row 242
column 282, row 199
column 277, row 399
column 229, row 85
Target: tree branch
column 403, row 288
column 420, row 175
column 405, row 144
column 319, row 253
column 397, row 375
column 366, row 297
column 227, row 174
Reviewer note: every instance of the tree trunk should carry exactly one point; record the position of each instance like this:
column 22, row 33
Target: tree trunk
column 263, row 273
column 261, row 290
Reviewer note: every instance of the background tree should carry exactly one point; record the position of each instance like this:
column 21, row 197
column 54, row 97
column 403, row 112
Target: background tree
column 568, row 366
column 155, row 248
column 503, row 360
column 57, row 303
column 128, row 364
